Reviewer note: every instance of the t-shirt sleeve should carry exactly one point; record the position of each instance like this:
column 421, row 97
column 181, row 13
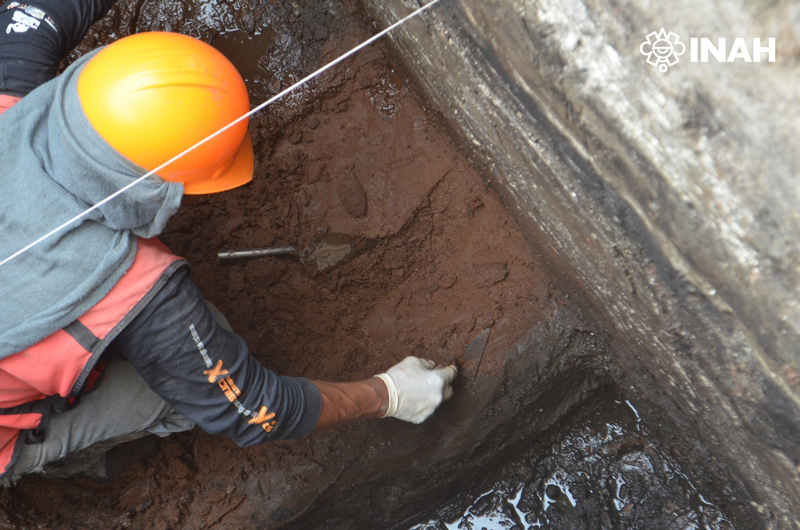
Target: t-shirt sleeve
column 206, row 372
column 36, row 35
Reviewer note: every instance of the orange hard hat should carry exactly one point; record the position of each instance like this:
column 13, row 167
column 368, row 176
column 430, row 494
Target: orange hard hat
column 153, row 95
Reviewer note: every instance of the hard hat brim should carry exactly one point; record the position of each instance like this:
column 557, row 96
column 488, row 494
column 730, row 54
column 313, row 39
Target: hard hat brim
column 239, row 174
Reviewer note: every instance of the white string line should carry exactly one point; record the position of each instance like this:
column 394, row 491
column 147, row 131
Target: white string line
column 220, row 131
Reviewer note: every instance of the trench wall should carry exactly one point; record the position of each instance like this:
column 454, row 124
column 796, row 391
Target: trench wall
column 669, row 199
column 555, row 373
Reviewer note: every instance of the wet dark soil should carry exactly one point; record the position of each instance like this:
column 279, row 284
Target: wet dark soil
column 353, row 152
column 605, row 471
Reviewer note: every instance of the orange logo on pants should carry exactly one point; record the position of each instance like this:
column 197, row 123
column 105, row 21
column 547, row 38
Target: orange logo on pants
column 215, row 372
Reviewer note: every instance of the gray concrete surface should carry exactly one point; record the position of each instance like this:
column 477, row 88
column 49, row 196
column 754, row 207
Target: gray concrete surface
column 670, row 199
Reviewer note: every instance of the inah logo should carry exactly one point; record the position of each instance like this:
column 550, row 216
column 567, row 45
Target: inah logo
column 662, row 49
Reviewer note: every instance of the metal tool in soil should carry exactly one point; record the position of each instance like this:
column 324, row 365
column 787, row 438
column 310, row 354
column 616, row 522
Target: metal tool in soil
column 473, row 354
column 323, row 251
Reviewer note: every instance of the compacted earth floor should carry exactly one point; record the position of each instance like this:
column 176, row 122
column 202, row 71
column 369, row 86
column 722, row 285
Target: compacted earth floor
column 353, row 152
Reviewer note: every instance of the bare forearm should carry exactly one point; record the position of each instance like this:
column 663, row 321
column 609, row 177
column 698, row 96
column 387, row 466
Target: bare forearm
column 342, row 402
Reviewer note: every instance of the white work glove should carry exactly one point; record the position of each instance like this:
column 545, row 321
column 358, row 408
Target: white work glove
column 416, row 388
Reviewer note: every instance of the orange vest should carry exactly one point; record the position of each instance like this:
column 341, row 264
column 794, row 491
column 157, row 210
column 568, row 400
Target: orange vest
column 6, row 102
column 60, row 364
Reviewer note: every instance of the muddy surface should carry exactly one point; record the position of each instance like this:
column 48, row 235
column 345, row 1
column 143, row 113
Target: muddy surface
column 604, row 472
column 355, row 153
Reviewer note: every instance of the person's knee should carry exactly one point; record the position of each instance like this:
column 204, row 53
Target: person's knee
column 171, row 423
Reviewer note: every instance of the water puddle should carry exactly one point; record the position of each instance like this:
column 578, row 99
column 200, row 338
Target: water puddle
column 245, row 53
column 604, row 473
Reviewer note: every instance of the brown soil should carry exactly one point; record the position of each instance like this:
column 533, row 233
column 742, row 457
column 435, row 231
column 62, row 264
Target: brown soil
column 356, row 153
